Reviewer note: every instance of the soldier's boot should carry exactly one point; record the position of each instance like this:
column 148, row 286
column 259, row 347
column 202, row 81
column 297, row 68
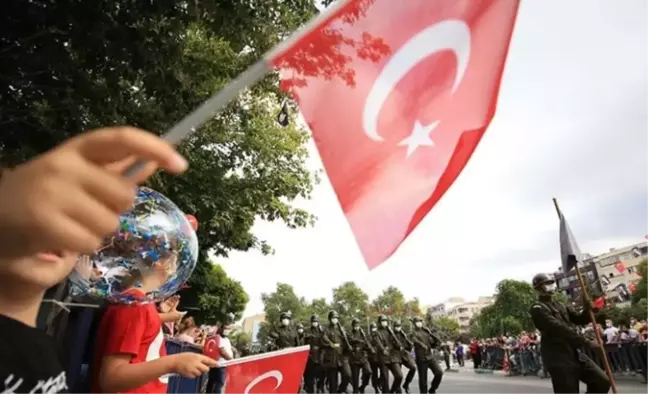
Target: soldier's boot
column 406, row 388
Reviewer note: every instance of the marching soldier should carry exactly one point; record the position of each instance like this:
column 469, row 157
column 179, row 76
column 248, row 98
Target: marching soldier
column 406, row 357
column 424, row 341
column 301, row 338
column 374, row 360
column 284, row 336
column 313, row 373
column 358, row 357
column 335, row 342
column 561, row 344
column 388, row 348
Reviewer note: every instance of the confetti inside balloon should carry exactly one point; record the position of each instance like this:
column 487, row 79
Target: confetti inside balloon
column 193, row 221
column 155, row 249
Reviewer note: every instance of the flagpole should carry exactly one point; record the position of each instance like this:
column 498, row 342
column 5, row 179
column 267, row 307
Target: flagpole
column 585, row 296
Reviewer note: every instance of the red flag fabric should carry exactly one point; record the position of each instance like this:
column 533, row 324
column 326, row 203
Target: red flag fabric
column 620, row 267
column 274, row 372
column 397, row 95
column 599, row 303
column 211, row 348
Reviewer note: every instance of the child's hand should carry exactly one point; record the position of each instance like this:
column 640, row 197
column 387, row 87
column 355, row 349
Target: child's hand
column 72, row 196
column 192, row 365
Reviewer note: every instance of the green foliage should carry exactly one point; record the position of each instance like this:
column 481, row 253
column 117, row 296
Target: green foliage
column 213, row 297
column 560, row 297
column 641, row 291
column 448, row 328
column 347, row 299
column 510, row 311
column 241, row 341
column 622, row 315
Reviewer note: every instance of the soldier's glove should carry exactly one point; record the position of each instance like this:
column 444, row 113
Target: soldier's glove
column 335, row 345
column 385, row 353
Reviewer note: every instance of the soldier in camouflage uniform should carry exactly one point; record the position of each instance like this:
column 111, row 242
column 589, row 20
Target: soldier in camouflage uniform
column 424, row 341
column 284, row 336
column 374, row 361
column 406, row 358
column 358, row 357
column 334, row 359
column 389, row 352
column 301, row 336
column 313, row 374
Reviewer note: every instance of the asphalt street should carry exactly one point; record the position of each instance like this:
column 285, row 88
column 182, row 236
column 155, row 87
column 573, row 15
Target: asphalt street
column 466, row 381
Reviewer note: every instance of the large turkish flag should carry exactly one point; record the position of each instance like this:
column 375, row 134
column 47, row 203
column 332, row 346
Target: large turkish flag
column 274, row 372
column 398, row 94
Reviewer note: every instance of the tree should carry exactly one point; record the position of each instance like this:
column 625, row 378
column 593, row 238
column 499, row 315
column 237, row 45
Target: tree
column 242, row 342
column 641, row 292
column 213, row 297
column 510, row 311
column 350, row 301
column 283, row 299
column 446, row 327
column 318, row 307
column 560, row 297
column 390, row 302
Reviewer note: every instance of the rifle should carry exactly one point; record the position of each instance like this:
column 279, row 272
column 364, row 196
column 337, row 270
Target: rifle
column 436, row 338
column 344, row 336
column 364, row 338
column 394, row 337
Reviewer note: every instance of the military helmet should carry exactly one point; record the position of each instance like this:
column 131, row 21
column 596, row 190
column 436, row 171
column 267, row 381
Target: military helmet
column 285, row 315
column 397, row 323
column 314, row 318
column 382, row 318
column 355, row 321
column 333, row 314
column 372, row 325
column 417, row 319
column 542, row 279
column 299, row 325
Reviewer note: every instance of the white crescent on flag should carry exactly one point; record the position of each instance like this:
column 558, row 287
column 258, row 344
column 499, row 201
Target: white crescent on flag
column 451, row 35
column 270, row 374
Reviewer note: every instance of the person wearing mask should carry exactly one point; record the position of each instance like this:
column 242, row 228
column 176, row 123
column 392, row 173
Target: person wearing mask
column 475, row 353
column 611, row 333
column 424, row 341
column 334, row 360
column 358, row 357
column 459, row 352
column 406, row 358
column 561, row 344
column 218, row 376
column 187, row 330
column 284, row 336
column 374, row 360
column 384, row 341
column 313, row 370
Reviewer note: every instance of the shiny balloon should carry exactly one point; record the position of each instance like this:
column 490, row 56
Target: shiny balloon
column 193, row 221
column 154, row 231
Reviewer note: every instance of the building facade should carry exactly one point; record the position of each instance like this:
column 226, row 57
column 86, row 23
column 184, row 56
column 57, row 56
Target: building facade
column 458, row 309
column 568, row 284
column 251, row 325
column 618, row 270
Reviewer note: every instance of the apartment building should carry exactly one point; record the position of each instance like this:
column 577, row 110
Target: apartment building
column 251, row 325
column 618, row 269
column 460, row 310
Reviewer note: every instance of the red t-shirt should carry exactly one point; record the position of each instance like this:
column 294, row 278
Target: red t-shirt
column 135, row 330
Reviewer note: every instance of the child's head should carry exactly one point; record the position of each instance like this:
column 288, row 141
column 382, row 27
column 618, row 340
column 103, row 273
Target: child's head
column 33, row 275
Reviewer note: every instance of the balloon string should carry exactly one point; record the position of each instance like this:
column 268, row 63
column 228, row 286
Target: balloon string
column 65, row 305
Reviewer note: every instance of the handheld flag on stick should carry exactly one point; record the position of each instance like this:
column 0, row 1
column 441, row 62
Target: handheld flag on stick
column 571, row 255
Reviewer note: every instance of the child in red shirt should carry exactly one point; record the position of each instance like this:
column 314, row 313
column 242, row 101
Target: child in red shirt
column 130, row 355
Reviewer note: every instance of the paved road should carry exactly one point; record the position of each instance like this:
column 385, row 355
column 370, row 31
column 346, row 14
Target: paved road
column 467, row 381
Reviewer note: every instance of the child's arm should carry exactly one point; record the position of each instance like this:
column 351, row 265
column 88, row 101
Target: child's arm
column 118, row 374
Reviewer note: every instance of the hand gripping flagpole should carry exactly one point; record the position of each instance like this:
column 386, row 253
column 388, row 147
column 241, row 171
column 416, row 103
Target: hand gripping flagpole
column 586, row 299
column 252, row 75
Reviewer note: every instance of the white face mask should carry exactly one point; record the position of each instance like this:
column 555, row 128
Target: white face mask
column 314, row 324
column 550, row 287
column 300, row 331
column 397, row 329
column 383, row 324
column 285, row 322
column 419, row 324
column 334, row 321
column 356, row 328
column 373, row 329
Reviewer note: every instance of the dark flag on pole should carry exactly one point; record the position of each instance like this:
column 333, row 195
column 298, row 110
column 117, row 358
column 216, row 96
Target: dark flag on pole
column 569, row 252
column 282, row 117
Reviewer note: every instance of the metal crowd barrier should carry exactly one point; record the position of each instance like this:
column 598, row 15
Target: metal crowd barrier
column 178, row 384
column 625, row 359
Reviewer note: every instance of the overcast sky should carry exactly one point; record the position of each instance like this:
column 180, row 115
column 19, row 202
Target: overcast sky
column 571, row 123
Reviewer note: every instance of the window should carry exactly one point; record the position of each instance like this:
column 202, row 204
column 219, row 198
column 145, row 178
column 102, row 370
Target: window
column 631, row 269
column 611, row 274
column 590, row 276
column 563, row 283
column 573, row 278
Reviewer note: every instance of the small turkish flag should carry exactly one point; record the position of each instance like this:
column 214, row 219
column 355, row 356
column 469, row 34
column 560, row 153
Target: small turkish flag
column 632, row 287
column 599, row 303
column 398, row 94
column 211, row 348
column 273, row 372
column 620, row 267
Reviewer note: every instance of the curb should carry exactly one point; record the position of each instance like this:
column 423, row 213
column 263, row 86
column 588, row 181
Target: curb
column 489, row 372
